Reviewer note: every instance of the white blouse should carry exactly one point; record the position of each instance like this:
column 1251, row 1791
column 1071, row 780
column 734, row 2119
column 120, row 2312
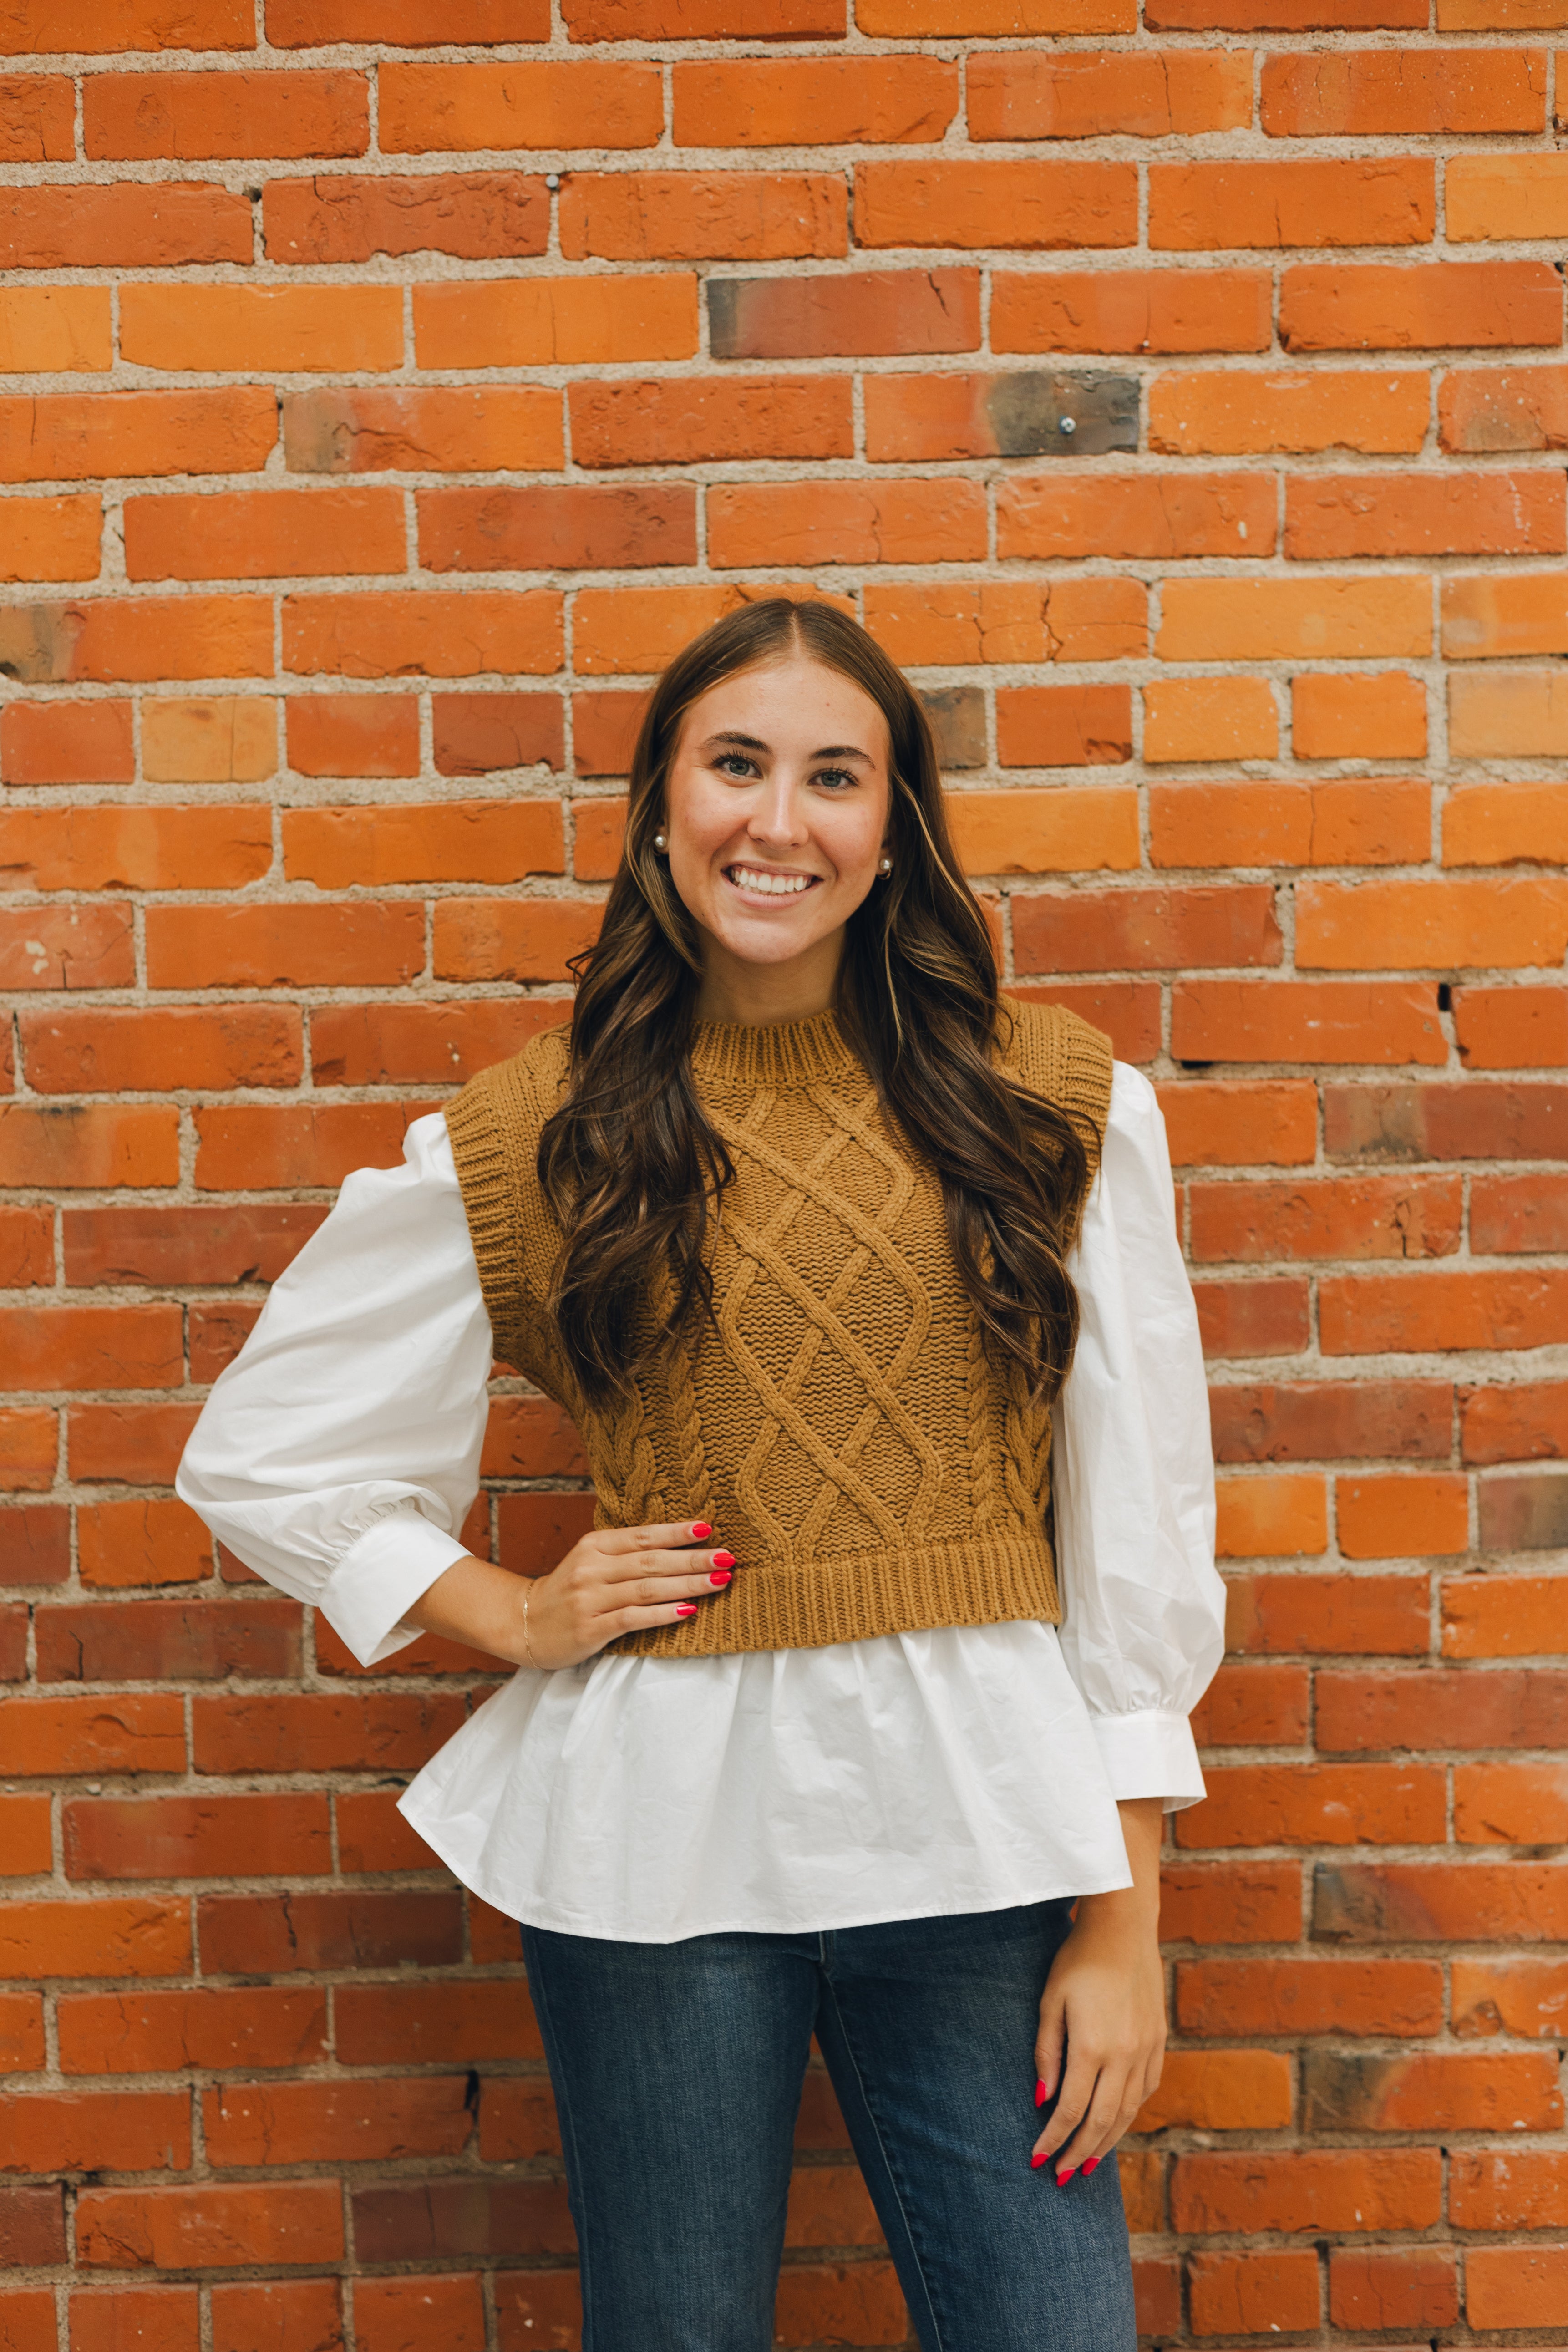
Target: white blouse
column 646, row 1798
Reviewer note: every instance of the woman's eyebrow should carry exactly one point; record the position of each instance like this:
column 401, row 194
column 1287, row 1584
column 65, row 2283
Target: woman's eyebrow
column 842, row 752
column 733, row 735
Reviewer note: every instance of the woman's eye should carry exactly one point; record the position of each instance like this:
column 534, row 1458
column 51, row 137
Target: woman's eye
column 734, row 763
column 834, row 778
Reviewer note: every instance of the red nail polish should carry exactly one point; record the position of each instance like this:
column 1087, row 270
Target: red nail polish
column 1089, row 2168
column 701, row 1529
column 1035, row 2161
column 720, row 1576
column 1041, row 2094
column 1063, row 2178
column 685, row 1608
column 723, row 1560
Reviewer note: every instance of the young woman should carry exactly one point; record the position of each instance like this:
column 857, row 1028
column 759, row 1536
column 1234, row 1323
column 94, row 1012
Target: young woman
column 800, row 1222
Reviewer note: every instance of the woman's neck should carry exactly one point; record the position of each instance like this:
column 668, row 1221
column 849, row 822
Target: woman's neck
column 763, row 994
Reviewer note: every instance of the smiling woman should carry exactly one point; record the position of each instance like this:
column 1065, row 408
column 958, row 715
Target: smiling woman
column 861, row 1682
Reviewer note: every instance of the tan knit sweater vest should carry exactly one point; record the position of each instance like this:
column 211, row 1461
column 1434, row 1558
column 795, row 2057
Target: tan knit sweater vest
column 842, row 1427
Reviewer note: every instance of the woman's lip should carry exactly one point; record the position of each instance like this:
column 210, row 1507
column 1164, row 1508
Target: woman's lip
column 735, row 875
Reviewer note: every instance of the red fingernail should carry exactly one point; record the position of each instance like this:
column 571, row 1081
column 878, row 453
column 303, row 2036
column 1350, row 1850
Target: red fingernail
column 720, row 1576
column 701, row 1529
column 1041, row 2094
column 723, row 1560
column 1062, row 2179
column 1089, row 2168
column 1037, row 2161
column 685, row 1608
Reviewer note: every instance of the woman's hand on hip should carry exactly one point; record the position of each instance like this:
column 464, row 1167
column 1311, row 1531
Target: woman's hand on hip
column 1101, row 2042
column 614, row 1580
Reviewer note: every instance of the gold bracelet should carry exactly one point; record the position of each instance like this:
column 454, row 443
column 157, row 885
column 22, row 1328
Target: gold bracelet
column 527, row 1645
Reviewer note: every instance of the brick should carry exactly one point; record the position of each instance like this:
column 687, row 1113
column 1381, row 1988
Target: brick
column 211, row 2226
column 235, row 329
column 67, row 947
column 640, row 424
column 288, row 1147
column 136, row 1732
column 1226, row 413
column 138, row 637
column 582, row 527
column 50, row 538
column 172, row 1640
column 278, row 2315
column 1230, row 2090
column 320, row 1732
column 37, row 119
column 553, row 322
column 115, row 1050
column 1500, row 824
column 912, row 521
column 1199, row 207
column 368, row 428
column 868, row 311
column 1239, row 2294
column 263, row 534
column 358, row 943
column 335, row 2123
column 35, row 1544
column 441, row 2219
column 374, row 1835
column 1486, row 616
column 1209, row 719
column 1516, row 2286
column 80, row 435
column 650, row 20
column 1230, row 1903
column 1391, row 306
column 1442, row 1707
column 622, row 631
column 430, row 633
column 208, row 739
column 147, row 2320
column 124, row 1936
column 66, row 742
column 517, row 2120
column 139, row 1445
column 1219, row 1123
column 1064, row 726
column 22, row 2037
column 1483, row 1120
column 1525, row 1998
column 537, row 1530
column 1022, row 205
column 706, row 217
column 1305, row 1021
column 394, row 2313
column 102, row 25
column 1506, row 409
column 1063, row 829
column 1502, row 1617
column 1518, row 1214
column 1163, row 516
column 464, row 107
column 1128, row 1011
column 1144, row 929
column 1088, row 94
column 511, row 938
column 1368, row 1218
column 1514, row 1424
column 1295, row 1997
column 196, row 115
column 1451, row 922
column 353, row 735
column 1506, row 196
column 816, row 102
column 149, row 2033
column 125, row 225
column 411, row 24
column 1510, row 1804
column 1338, row 717
column 1425, row 1902
column 1162, row 309
column 1259, row 1517
column 1377, row 93
column 1019, row 415
column 218, row 1333
column 1412, row 1515
column 28, row 1448
column 272, row 1934
column 84, row 2131
column 141, row 1541
column 449, row 841
column 1439, row 1308
column 914, row 19
column 473, row 214
column 1517, row 714
column 1317, row 1804
column 32, row 2228
column 1449, row 2090
column 1415, row 514
column 1508, row 2188
column 1011, row 620
column 27, row 1247
column 1272, row 620
column 97, row 1145
column 1254, row 1707
column 50, row 330
column 1378, row 1616
column 196, row 1837
column 1387, row 2286
column 452, row 2022
column 479, row 734
column 1337, row 2191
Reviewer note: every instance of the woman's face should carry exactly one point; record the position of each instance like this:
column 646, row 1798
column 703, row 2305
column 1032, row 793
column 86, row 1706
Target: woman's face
column 778, row 805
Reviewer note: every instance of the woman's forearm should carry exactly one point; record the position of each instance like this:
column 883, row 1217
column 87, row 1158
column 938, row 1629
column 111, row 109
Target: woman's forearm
column 1143, row 1829
column 475, row 1601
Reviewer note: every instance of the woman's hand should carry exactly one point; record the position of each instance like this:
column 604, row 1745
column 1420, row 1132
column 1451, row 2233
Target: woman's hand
column 1104, row 2008
column 614, row 1580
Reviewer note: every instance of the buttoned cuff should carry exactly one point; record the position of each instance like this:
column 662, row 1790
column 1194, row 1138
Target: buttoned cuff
column 381, row 1577
column 1151, row 1754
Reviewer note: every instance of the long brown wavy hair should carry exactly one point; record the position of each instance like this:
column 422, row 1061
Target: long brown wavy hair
column 629, row 1163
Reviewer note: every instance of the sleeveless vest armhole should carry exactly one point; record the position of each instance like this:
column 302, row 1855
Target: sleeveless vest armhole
column 489, row 1201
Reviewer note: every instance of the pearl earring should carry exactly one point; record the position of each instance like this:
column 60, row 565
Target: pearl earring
column 660, row 843
column 884, row 866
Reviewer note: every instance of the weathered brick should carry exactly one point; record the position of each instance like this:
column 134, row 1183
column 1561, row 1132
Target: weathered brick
column 192, row 116
column 705, row 217
column 464, row 107
column 1018, row 414
column 1194, row 207
column 858, row 312
column 819, row 102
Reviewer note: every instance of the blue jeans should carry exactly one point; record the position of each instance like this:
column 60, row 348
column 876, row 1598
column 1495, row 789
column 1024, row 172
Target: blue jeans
column 678, row 2072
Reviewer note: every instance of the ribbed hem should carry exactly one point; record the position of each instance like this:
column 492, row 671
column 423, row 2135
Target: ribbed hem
column 981, row 1581
column 743, row 1053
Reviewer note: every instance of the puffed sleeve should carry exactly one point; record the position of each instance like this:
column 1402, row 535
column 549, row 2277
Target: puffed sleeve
column 339, row 1455
column 1133, row 1471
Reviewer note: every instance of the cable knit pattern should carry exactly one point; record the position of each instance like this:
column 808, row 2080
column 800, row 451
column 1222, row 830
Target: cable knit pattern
column 843, row 1426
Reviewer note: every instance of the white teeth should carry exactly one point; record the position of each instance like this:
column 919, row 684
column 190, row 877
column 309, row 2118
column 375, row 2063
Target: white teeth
column 769, row 885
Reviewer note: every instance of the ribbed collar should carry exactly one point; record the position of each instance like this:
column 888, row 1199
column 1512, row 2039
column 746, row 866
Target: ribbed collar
column 745, row 1055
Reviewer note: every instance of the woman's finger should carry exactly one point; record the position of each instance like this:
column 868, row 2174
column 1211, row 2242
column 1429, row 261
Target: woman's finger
column 1077, row 2087
column 1102, row 2127
column 1049, row 2045
column 665, row 1537
column 652, row 1565
column 638, row 1620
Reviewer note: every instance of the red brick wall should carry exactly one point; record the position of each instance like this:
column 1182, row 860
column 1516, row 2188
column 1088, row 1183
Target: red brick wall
column 367, row 440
